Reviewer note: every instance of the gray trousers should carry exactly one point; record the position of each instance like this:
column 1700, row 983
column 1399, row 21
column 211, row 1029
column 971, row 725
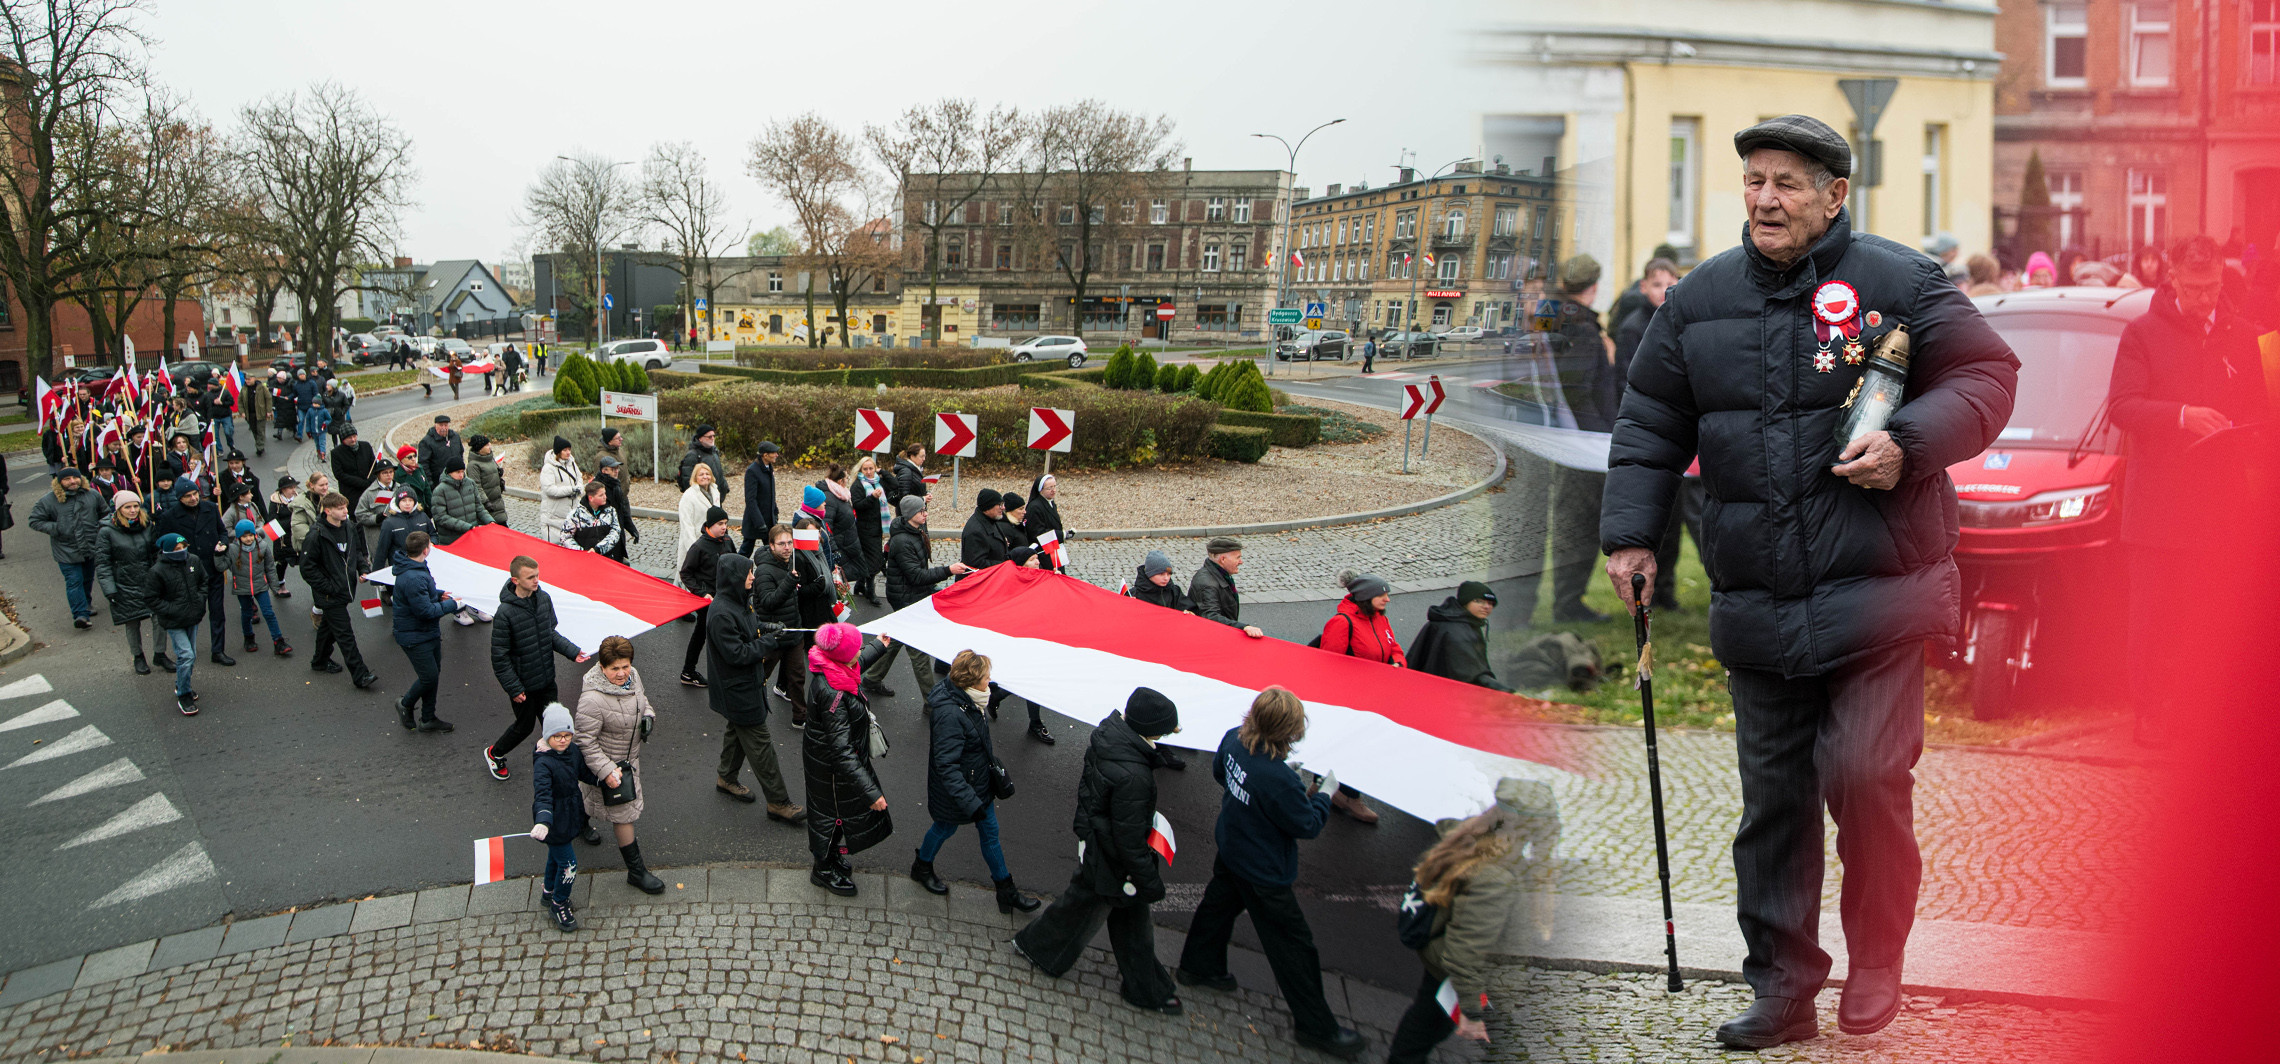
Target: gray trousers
column 740, row 743
column 921, row 667
column 1560, row 505
column 1849, row 739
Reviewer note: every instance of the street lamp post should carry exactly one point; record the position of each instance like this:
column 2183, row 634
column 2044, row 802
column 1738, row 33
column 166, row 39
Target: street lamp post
column 1282, row 260
column 601, row 320
column 1409, row 313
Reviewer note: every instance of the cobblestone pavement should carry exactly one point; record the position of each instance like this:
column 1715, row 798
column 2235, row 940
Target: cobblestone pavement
column 808, row 981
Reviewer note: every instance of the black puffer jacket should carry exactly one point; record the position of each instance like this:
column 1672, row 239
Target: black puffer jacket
column 775, row 589
column 700, row 568
column 1116, row 808
column 904, row 479
column 176, row 591
column 909, row 578
column 524, row 641
column 1807, row 572
column 735, row 647
column 1454, row 643
column 958, row 757
column 123, row 557
column 835, row 752
column 1168, row 596
column 332, row 558
column 816, row 592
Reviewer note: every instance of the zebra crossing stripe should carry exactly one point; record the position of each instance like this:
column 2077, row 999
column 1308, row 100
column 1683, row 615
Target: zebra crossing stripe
column 47, row 714
column 85, row 739
column 26, row 687
column 115, row 774
column 188, row 865
column 148, row 813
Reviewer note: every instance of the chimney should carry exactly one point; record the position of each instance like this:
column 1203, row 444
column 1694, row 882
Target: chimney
column 1187, row 163
column 1301, row 193
column 1472, row 167
column 1503, row 170
column 1408, row 174
column 403, row 262
column 1334, row 190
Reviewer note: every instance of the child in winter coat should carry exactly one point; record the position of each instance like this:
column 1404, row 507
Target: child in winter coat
column 175, row 588
column 253, row 577
column 558, row 809
column 281, row 503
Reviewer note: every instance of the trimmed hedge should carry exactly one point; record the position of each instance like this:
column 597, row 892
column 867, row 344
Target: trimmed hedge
column 1283, row 430
column 1236, row 443
column 666, row 380
column 815, row 425
column 991, row 376
column 798, row 359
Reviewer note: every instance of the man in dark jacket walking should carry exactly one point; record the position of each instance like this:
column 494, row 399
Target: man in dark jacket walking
column 71, row 516
column 354, row 465
column 1118, row 877
column 736, row 688
column 1454, row 641
column 1212, row 593
column 523, row 645
column 439, row 445
column 175, row 587
column 704, row 447
column 199, row 522
column 759, row 496
column 980, row 544
column 699, row 569
column 1569, row 498
column 419, row 604
column 909, row 579
column 332, row 561
column 1831, row 562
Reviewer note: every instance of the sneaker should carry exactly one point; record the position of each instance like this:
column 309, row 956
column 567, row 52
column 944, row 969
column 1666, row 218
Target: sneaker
column 283, row 649
column 564, row 919
column 435, row 724
column 188, row 704
column 252, row 647
column 82, row 622
column 462, row 619
column 491, row 761
column 690, row 679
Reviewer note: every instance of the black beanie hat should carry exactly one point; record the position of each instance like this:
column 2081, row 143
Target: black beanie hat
column 988, row 499
column 609, row 434
column 559, row 444
column 1474, row 589
column 714, row 515
column 455, row 465
column 1150, row 713
column 1013, row 500
column 478, row 441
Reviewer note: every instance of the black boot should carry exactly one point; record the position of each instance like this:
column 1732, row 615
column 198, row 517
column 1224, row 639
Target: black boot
column 828, row 876
column 637, row 872
column 220, row 658
column 1012, row 900
column 922, row 873
column 592, row 836
column 1037, row 731
column 142, row 666
column 160, row 660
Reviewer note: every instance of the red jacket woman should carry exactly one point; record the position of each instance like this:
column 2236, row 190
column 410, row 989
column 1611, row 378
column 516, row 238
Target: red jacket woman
column 1360, row 628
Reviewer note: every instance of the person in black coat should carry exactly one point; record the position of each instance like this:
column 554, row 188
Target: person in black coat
column 870, row 499
column 908, row 477
column 332, row 561
column 1020, row 547
column 419, row 604
column 839, row 523
column 980, row 545
column 847, row 806
column 1153, row 583
column 1212, row 593
column 1831, row 562
column 777, row 590
column 175, row 588
column 960, row 786
column 558, row 809
column 909, row 579
column 1454, row 641
column 1044, row 515
column 198, row 520
column 759, row 496
column 523, row 645
column 742, row 646
column 818, row 590
column 699, row 568
column 1118, row 877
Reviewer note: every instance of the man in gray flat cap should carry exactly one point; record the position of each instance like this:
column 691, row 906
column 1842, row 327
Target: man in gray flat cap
column 1830, row 564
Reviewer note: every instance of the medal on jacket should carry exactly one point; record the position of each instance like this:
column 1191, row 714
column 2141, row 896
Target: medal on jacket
column 1836, row 313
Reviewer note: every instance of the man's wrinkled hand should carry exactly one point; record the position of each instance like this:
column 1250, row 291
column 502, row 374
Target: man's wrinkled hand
column 1871, row 460
column 1620, row 566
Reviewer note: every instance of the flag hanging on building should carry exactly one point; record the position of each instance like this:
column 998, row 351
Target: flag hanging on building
column 1297, row 259
column 1428, row 260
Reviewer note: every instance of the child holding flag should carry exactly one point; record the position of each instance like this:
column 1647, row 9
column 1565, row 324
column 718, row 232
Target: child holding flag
column 253, row 577
column 1467, row 887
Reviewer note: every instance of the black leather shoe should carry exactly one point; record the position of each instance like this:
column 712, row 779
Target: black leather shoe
column 325, row 666
column 833, row 880
column 1038, row 732
column 142, row 666
column 1170, row 1007
column 592, row 836
column 1346, row 1043
column 219, row 658
column 404, row 716
column 1768, row 1022
column 162, row 661
column 1870, row 999
column 922, row 873
column 1222, row 983
column 879, row 689
column 435, row 724
column 364, row 682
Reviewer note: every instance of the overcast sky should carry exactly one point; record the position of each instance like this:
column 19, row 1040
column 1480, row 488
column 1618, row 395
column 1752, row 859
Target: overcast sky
column 490, row 91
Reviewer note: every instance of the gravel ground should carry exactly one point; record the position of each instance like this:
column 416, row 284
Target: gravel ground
column 1289, row 483
column 461, row 414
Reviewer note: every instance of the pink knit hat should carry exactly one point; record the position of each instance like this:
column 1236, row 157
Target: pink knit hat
column 839, row 642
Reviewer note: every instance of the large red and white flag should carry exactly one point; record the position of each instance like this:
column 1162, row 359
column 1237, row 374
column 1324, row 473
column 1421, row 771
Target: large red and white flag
column 470, row 368
column 594, row 597
column 1429, row 746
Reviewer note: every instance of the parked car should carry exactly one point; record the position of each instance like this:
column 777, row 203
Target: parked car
column 1408, row 345
column 1070, row 349
column 425, row 345
column 365, row 349
column 651, row 354
column 1314, row 345
column 1464, row 334
column 457, row 348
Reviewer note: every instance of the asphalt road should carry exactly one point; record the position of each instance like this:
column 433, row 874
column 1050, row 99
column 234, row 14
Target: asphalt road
column 293, row 788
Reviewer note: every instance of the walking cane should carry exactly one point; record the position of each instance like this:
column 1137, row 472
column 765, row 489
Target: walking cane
column 1646, row 684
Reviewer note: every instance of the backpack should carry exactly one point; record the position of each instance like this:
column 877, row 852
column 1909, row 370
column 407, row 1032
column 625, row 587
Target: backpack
column 1414, row 920
column 1316, row 642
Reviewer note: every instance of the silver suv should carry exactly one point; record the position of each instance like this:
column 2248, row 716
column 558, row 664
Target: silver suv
column 651, row 354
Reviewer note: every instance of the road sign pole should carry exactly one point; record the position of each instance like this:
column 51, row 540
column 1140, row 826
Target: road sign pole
column 954, row 459
column 1405, row 445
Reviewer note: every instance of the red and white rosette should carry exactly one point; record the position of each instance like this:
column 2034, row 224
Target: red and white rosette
column 1836, row 310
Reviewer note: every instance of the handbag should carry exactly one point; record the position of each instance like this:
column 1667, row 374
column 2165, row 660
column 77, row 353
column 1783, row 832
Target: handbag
column 625, row 791
column 878, row 740
column 1001, row 781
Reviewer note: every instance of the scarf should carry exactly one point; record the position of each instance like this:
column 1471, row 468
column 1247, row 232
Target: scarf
column 814, row 513
column 840, row 675
column 837, row 490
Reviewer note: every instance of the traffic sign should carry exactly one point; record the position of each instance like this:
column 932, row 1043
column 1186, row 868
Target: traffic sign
column 1318, row 310
column 1164, row 312
column 1313, row 323
column 1438, row 395
column 607, row 302
column 1284, row 316
column 1413, row 400
column 700, row 303
column 1050, row 429
column 874, row 430
column 956, row 434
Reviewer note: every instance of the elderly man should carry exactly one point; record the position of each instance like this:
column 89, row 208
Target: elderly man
column 1830, row 565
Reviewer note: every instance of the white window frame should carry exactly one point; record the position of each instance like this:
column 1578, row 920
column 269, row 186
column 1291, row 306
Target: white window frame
column 1239, row 255
column 2149, row 208
column 1239, row 211
column 2139, row 33
column 1446, row 267
column 957, row 215
column 1507, row 219
column 1214, row 209
column 775, row 281
column 1369, row 229
column 1005, row 212
column 2067, row 196
column 2261, row 66
column 1211, row 258
column 1935, row 176
column 2053, row 30
column 1453, row 223
column 1130, row 211
column 1685, row 205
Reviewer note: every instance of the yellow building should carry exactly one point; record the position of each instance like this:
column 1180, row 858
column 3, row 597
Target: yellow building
column 1641, row 100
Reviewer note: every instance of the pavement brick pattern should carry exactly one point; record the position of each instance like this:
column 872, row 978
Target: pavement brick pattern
column 2020, row 841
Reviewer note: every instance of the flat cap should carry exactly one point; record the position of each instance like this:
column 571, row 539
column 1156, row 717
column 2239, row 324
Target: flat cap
column 1579, row 272
column 1803, row 134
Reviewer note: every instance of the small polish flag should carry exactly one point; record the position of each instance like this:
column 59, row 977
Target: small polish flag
column 273, row 530
column 1297, row 259
column 1050, row 543
column 839, row 611
column 1448, row 999
column 934, row 478
column 371, row 606
column 1124, row 588
column 490, row 859
column 807, row 539
column 384, row 498
column 1160, row 839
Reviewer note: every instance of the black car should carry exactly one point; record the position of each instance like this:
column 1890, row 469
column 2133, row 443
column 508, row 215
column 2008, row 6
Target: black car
column 1409, row 345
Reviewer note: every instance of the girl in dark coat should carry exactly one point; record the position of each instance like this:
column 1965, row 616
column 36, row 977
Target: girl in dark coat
column 958, row 779
column 124, row 553
column 175, row 587
column 839, row 524
column 558, row 808
column 847, row 807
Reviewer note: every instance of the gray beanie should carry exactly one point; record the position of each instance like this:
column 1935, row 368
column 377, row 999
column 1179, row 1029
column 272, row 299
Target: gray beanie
column 555, row 720
column 1362, row 587
column 1155, row 562
column 911, row 506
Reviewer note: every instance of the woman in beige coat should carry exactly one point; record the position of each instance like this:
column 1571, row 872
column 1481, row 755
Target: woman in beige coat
column 612, row 721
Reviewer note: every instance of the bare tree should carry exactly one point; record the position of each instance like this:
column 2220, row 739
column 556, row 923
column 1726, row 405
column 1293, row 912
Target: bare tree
column 942, row 156
column 332, row 175
column 1088, row 175
column 68, row 64
column 579, row 206
column 680, row 201
column 838, row 207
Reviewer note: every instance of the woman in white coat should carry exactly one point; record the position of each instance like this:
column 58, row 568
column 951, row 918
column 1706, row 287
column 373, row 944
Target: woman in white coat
column 703, row 495
column 558, row 485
